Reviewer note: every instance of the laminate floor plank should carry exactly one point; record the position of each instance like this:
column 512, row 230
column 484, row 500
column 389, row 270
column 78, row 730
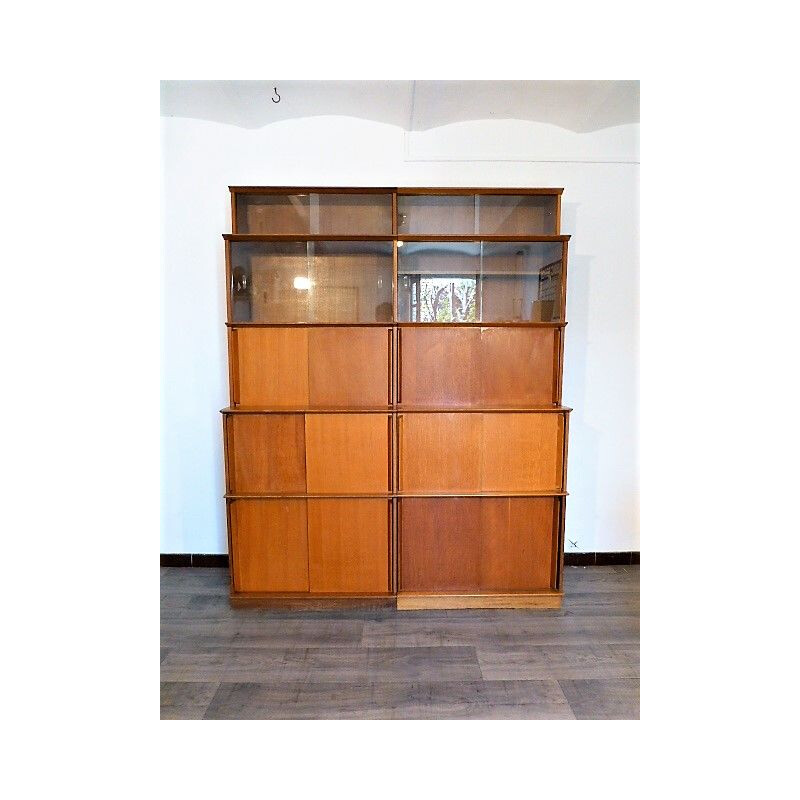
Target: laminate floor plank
column 533, row 630
column 615, row 698
column 416, row 700
column 559, row 662
column 578, row 662
column 180, row 700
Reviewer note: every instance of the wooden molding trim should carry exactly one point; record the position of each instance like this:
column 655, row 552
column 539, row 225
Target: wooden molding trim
column 310, row 602
column 418, row 602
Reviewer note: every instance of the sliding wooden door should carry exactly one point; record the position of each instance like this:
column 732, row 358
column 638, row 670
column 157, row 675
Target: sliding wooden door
column 517, row 366
column 266, row 453
column 477, row 544
column 348, row 453
column 270, row 545
column 504, row 367
column 271, row 367
column 348, row 545
column 439, row 452
column 439, row 366
column 522, row 452
column 349, row 367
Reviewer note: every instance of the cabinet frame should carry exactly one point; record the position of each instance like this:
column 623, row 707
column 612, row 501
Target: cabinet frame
column 396, row 408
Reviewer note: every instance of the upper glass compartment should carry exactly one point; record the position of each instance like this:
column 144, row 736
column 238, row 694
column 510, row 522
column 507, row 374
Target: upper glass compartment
column 479, row 281
column 314, row 213
column 481, row 214
column 316, row 282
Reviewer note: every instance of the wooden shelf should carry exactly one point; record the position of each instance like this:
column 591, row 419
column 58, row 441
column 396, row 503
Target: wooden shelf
column 556, row 324
column 377, row 496
column 396, row 409
column 303, row 237
column 402, row 237
column 461, row 190
column 392, row 495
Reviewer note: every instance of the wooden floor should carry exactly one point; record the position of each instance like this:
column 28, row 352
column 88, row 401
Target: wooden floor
column 581, row 662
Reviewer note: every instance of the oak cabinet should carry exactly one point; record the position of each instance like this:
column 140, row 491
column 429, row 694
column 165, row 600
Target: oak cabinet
column 477, row 544
column 396, row 434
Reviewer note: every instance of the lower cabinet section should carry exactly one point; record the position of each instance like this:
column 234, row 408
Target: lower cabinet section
column 325, row 546
column 486, row 544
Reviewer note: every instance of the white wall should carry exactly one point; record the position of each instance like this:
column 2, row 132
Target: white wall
column 600, row 210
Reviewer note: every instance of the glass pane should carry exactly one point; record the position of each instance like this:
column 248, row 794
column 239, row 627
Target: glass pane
column 521, row 281
column 479, row 282
column 517, row 215
column 315, row 213
column 290, row 282
column 350, row 282
column 438, row 281
column 436, row 214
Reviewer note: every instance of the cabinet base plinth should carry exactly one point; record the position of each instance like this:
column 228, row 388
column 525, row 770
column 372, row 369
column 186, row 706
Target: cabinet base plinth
column 419, row 602
column 310, row 602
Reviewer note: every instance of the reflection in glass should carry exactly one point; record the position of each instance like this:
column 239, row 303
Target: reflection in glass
column 436, row 214
column 326, row 282
column 315, row 213
column 488, row 214
column 517, row 215
column 479, row 282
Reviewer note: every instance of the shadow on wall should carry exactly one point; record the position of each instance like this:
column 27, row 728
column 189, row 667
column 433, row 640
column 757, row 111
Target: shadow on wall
column 583, row 453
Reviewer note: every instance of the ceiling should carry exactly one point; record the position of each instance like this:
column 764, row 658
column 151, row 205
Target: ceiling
column 579, row 106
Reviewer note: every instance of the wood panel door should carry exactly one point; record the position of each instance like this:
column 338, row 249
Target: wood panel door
column 271, row 367
column 266, row 453
column 518, row 366
column 439, row 452
column 349, row 367
column 518, row 537
column 477, row 544
column 348, row 545
column 439, row 367
column 348, row 453
column 522, row 452
column 440, row 544
column 468, row 367
column 269, row 545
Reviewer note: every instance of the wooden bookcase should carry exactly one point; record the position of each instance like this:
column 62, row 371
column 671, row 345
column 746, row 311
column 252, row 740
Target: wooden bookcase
column 395, row 434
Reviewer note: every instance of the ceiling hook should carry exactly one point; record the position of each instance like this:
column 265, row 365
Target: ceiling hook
column 275, row 89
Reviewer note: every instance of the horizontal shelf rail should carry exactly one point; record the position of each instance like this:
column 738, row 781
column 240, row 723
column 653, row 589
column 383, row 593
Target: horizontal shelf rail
column 397, row 408
column 396, row 324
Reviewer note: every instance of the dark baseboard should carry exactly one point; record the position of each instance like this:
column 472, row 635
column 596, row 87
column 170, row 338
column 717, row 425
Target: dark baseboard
column 194, row 560
column 570, row 559
column 601, row 559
